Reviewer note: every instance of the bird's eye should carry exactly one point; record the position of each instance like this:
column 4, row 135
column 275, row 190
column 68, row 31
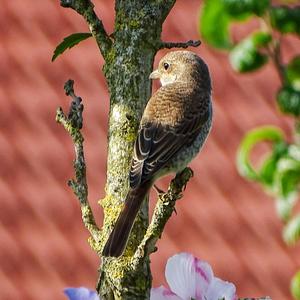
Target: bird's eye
column 166, row 66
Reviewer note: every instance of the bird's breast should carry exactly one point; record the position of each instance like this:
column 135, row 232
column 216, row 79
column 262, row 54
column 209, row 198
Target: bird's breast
column 169, row 105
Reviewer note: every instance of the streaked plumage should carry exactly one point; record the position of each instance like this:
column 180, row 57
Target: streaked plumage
column 173, row 128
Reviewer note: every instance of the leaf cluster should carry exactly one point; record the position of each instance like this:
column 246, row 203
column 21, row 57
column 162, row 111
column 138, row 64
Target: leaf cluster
column 279, row 175
column 279, row 171
column 261, row 45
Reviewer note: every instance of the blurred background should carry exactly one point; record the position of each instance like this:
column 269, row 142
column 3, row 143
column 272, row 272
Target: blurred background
column 222, row 218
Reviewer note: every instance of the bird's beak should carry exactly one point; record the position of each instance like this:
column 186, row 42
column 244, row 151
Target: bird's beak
column 154, row 75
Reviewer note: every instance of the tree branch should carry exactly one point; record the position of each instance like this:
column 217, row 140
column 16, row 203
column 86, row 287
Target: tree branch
column 162, row 212
column 164, row 7
column 170, row 45
column 86, row 9
column 276, row 57
column 274, row 49
column 73, row 124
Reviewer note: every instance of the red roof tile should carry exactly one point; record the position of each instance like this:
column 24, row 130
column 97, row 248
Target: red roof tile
column 222, row 218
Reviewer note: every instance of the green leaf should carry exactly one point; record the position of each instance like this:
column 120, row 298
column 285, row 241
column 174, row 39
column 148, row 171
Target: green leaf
column 294, row 151
column 286, row 186
column 284, row 206
column 261, row 39
column 69, row 42
column 245, row 56
column 286, row 181
column 252, row 138
column 236, row 8
column 293, row 73
column 286, row 19
column 287, row 176
column 288, row 100
column 268, row 168
column 295, row 286
column 291, row 232
column 214, row 24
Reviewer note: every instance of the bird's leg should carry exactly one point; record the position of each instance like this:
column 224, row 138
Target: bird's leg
column 179, row 173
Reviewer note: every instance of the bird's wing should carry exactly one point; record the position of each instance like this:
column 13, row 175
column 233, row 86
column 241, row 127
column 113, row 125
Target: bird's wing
column 158, row 143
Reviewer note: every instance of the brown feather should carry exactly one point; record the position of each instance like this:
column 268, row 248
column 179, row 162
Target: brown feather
column 174, row 126
column 172, row 120
column 117, row 240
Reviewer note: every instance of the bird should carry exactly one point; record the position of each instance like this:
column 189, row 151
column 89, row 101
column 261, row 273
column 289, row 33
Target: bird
column 174, row 126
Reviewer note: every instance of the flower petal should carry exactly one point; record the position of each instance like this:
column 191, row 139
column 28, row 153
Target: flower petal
column 187, row 276
column 162, row 293
column 204, row 277
column 81, row 293
column 219, row 289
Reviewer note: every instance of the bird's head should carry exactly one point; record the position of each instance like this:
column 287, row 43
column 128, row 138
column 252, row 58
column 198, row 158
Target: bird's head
column 183, row 66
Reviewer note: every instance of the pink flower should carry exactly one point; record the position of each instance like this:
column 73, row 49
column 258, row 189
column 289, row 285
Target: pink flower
column 191, row 278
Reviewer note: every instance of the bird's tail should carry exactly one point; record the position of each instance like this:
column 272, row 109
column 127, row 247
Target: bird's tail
column 117, row 240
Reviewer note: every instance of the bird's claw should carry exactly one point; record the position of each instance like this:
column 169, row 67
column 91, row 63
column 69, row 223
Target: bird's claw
column 158, row 190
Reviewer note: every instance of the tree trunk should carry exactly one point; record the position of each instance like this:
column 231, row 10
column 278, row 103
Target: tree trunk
column 128, row 63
